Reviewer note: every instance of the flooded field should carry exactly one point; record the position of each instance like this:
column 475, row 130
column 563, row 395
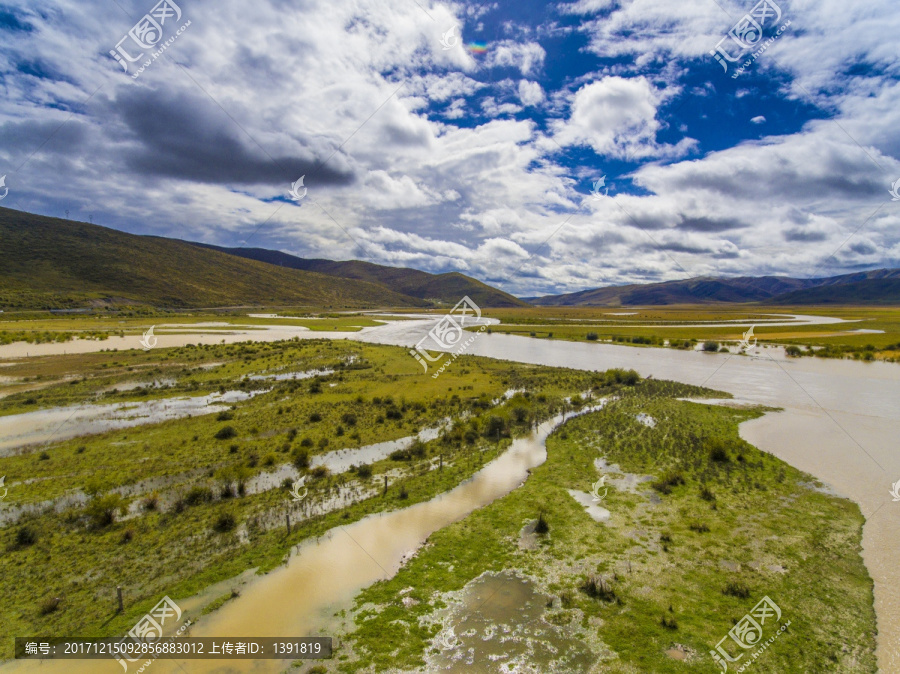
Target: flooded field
column 299, row 599
column 19, row 431
column 839, row 423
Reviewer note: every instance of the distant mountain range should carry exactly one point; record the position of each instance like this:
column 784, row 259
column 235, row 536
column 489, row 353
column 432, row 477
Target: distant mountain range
column 50, row 263
column 434, row 288
column 881, row 286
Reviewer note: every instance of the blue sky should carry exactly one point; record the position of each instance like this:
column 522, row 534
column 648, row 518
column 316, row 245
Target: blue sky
column 467, row 136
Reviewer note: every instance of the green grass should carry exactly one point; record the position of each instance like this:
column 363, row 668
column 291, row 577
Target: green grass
column 52, row 263
column 684, row 570
column 177, row 550
column 838, row 340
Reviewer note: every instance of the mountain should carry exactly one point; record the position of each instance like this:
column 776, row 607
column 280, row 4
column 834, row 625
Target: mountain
column 440, row 288
column 884, row 291
column 872, row 287
column 52, row 263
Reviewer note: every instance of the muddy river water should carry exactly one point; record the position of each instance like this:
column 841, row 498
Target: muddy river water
column 300, row 598
column 840, row 423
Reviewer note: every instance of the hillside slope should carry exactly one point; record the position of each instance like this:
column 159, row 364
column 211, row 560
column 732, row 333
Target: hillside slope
column 875, row 291
column 442, row 288
column 706, row 290
column 53, row 263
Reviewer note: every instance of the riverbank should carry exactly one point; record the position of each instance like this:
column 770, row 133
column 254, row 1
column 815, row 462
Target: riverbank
column 699, row 527
column 170, row 508
column 850, row 421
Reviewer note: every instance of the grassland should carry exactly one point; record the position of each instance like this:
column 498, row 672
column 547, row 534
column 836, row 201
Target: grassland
column 190, row 521
column 682, row 558
column 660, row 326
column 41, row 327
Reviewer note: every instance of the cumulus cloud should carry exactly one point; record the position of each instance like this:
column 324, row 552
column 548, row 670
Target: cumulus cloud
column 525, row 57
column 617, row 117
column 530, row 93
column 453, row 160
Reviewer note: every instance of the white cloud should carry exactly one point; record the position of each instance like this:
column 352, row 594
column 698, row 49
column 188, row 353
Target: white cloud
column 530, row 93
column 617, row 117
column 480, row 197
column 527, row 57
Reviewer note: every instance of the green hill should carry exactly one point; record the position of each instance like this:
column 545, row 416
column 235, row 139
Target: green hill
column 52, row 263
column 439, row 288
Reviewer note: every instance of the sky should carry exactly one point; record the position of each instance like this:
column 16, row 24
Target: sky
column 540, row 147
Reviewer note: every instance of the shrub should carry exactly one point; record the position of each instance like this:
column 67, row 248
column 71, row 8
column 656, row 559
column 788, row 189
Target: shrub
column 224, row 523
column 593, row 336
column 739, row 590
column 364, row 471
column 102, row 510
column 225, row 433
column 49, row 605
column 315, row 417
column 711, row 347
column 319, row 472
column 25, row 537
column 620, row 376
column 349, row 419
column 306, row 442
column 669, row 480
column 301, row 459
column 706, row 494
column 598, row 587
column 541, row 526
column 197, row 495
column 416, row 449
column 699, row 527
column 793, row 351
column 718, row 451
column 495, row 426
column 151, row 502
column 224, row 416
column 669, row 623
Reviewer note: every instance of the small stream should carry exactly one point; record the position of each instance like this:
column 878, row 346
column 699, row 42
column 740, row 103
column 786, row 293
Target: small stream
column 323, row 576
